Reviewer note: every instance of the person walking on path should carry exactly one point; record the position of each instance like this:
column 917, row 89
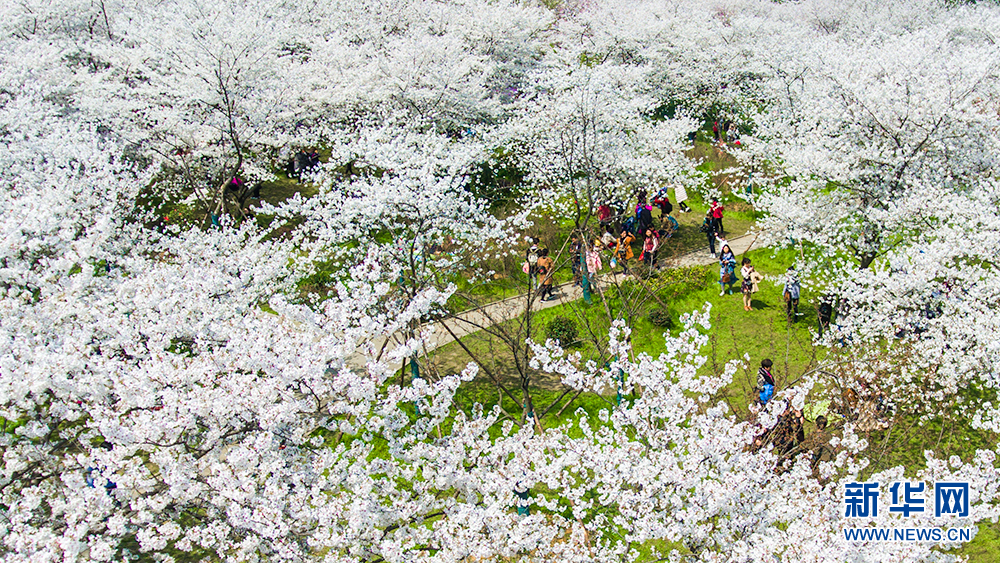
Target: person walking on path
column 727, row 269
column 751, row 278
column 594, row 264
column 545, row 266
column 708, row 227
column 649, row 247
column 624, row 249
column 791, row 294
column 531, row 262
column 716, row 210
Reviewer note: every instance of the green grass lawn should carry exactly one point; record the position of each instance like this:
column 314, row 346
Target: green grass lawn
column 762, row 333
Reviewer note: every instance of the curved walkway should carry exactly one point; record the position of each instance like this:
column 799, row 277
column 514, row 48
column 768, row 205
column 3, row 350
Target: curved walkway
column 468, row 322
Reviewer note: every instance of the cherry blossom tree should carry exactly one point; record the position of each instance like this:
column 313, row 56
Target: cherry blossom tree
column 166, row 393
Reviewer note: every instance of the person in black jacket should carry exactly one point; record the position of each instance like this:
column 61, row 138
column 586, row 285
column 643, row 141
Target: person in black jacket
column 708, row 227
column 644, row 218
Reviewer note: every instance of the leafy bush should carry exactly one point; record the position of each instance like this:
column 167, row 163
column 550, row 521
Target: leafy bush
column 661, row 317
column 564, row 330
column 642, row 270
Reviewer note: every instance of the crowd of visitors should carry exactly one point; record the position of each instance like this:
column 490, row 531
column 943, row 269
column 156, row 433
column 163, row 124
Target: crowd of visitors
column 626, row 236
column 625, row 233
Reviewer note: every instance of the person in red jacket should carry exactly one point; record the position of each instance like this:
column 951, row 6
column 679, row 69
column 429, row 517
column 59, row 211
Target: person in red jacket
column 604, row 214
column 716, row 211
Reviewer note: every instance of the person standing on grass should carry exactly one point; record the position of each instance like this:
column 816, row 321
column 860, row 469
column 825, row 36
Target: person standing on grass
column 825, row 313
column 791, row 294
column 545, row 266
column 727, row 269
column 649, row 247
column 708, row 227
column 643, row 217
column 716, row 210
column 662, row 201
column 604, row 214
column 749, row 286
column 680, row 196
column 624, row 249
column 765, row 381
column 819, row 444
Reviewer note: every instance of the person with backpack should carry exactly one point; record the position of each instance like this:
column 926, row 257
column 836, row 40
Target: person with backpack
column 662, row 201
column 623, row 251
column 727, row 269
column 643, row 217
column 545, row 267
column 765, row 381
column 708, row 227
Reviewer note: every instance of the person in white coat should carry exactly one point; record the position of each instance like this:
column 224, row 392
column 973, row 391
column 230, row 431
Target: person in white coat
column 680, row 197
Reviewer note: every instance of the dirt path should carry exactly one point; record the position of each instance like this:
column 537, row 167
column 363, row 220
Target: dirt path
column 468, row 322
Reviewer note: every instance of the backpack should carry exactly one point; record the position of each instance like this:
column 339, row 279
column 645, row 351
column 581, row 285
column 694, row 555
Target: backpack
column 705, row 228
column 630, row 224
column 766, row 393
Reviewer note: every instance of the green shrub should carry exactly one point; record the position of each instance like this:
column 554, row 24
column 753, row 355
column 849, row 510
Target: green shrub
column 564, row 330
column 642, row 270
column 661, row 317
